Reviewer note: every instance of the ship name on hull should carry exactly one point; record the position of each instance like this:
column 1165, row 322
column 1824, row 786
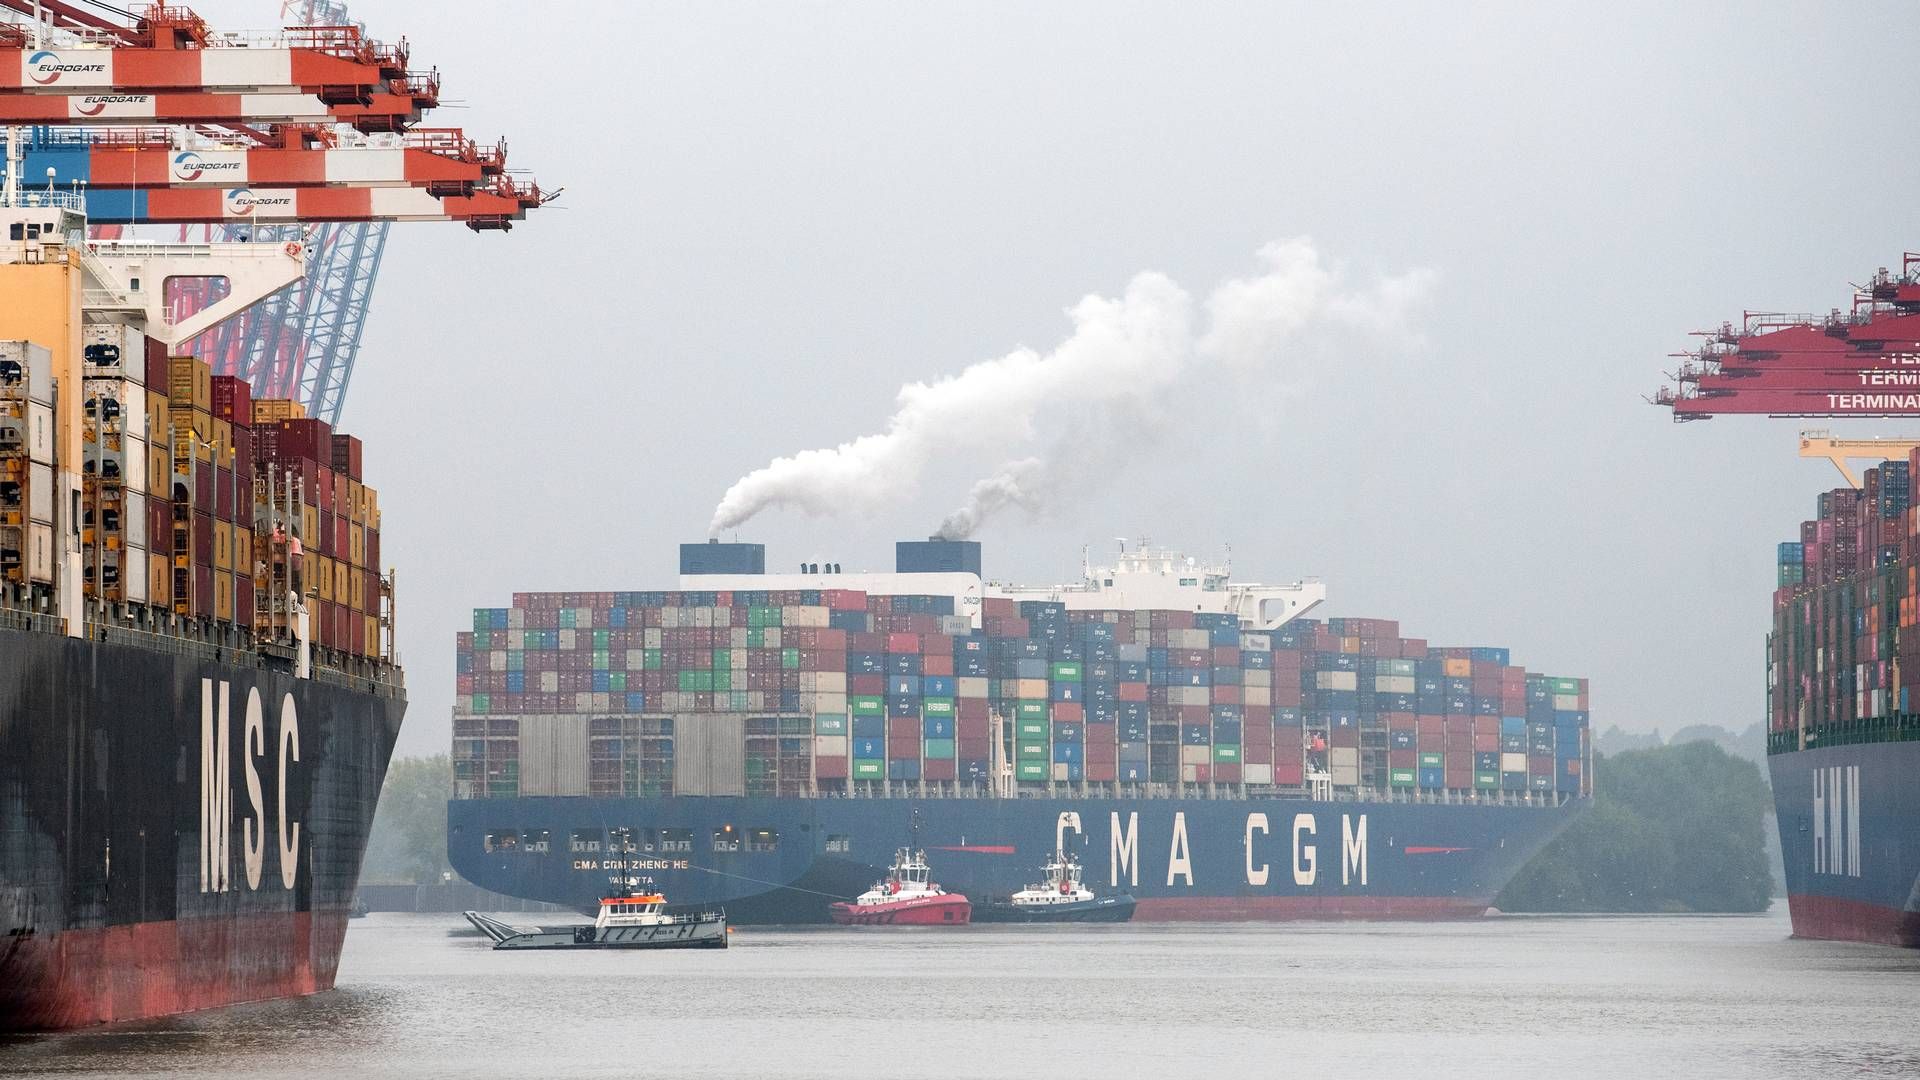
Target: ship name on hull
column 1257, row 844
column 217, row 790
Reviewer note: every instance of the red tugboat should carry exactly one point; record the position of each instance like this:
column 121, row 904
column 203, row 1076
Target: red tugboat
column 905, row 898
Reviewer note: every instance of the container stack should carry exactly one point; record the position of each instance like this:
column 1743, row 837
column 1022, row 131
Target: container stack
column 26, row 468
column 837, row 691
column 187, row 506
column 1844, row 649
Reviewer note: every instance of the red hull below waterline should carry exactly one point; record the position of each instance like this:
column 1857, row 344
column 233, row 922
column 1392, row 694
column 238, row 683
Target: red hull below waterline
column 945, row 910
column 1831, row 918
column 77, row 978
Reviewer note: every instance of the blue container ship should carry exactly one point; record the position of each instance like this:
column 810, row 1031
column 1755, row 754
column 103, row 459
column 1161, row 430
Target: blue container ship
column 767, row 741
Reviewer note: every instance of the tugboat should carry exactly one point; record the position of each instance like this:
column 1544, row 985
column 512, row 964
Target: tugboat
column 640, row 921
column 1061, row 897
column 905, row 898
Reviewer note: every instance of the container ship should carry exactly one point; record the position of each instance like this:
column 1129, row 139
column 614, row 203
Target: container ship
column 768, row 741
column 197, row 689
column 1843, row 655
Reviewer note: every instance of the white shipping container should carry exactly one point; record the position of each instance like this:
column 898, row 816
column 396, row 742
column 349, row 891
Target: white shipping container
column 1345, row 776
column 1344, row 756
column 970, row 686
column 40, row 499
column 769, row 638
column 1190, row 773
column 133, row 572
column 1336, row 680
column 497, row 660
column 463, row 704
column 1257, row 642
column 1567, row 702
column 1196, row 755
column 1030, row 689
column 831, row 704
column 652, row 638
column 567, row 640
column 737, row 637
column 1187, row 695
column 37, row 362
column 829, row 746
column 1060, row 770
column 1257, row 695
column 831, row 682
column 128, row 355
column 516, row 618
column 134, row 520
column 40, row 432
column 1393, row 684
column 1513, row 763
column 40, row 554
column 1257, row 774
column 636, row 660
column 1189, row 639
column 1256, row 677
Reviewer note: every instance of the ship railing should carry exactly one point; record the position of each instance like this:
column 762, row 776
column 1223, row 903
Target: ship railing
column 14, row 618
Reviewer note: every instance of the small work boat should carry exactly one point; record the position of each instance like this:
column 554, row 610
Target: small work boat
column 641, row 921
column 905, row 898
column 1060, row 897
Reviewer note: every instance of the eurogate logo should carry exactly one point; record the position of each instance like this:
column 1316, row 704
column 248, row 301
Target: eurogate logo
column 45, row 68
column 189, row 166
column 97, row 104
column 242, row 202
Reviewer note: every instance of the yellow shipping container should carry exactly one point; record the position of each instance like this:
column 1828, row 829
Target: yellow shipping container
column 310, row 573
column 223, row 546
column 189, row 382
column 357, row 545
column 1459, row 669
column 269, row 410
column 373, row 636
column 309, row 525
column 156, row 411
column 356, row 502
column 324, row 586
column 342, row 592
column 223, row 596
column 243, row 551
column 159, row 580
column 159, row 472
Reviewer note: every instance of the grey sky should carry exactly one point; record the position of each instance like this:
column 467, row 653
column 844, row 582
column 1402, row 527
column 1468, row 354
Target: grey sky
column 776, row 214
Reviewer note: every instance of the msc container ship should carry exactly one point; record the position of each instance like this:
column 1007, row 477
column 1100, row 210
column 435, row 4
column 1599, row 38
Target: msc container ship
column 767, row 741
column 197, row 689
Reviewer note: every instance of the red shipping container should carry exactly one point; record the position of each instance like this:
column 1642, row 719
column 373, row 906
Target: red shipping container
column 232, row 400
column 243, row 600
column 344, row 457
column 1069, row 710
column 936, row 664
column 1459, row 781
column 1104, row 753
column 1257, row 753
column 903, row 749
column 156, row 365
column 1226, row 695
column 1288, row 774
column 1430, row 725
column 970, row 746
column 937, row 769
column 972, row 708
column 309, row 439
column 999, row 607
column 1101, row 772
column 1486, row 743
column 1539, row 764
column 342, row 537
column 1286, row 695
column 903, row 728
column 1131, row 691
column 357, row 636
column 903, row 643
column 867, row 685
column 1226, row 773
column 830, row 767
column 1203, row 774
column 1403, row 759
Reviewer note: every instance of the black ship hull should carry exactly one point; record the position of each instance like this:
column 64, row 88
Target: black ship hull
column 1100, row 909
column 180, row 828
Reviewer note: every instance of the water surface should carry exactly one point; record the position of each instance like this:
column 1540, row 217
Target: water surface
column 1512, row 996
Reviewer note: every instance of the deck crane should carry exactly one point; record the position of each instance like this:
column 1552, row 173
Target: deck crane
column 1862, row 362
column 304, row 138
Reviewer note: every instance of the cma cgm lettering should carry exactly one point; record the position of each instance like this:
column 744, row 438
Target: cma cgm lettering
column 1207, row 746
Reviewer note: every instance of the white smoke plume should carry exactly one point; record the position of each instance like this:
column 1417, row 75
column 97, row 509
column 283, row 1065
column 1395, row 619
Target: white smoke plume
column 1111, row 372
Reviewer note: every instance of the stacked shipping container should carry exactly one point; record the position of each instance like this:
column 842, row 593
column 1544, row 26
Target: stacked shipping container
column 844, row 691
column 195, row 499
column 1844, row 651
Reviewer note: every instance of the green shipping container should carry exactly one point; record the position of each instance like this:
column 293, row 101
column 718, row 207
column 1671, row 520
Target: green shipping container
column 1226, row 752
column 482, row 619
column 1565, row 686
column 692, row 682
column 937, row 748
column 1031, row 730
column 1488, row 780
column 1401, row 778
column 756, row 638
column 516, row 660
column 1031, row 750
column 936, row 706
column 830, row 724
column 481, row 702
column 1066, row 672
column 652, row 659
column 869, row 770
column 868, row 706
column 790, row 659
column 602, row 639
column 1030, row 710
column 1432, row 761
column 1030, row 770
column 722, row 659
column 617, row 682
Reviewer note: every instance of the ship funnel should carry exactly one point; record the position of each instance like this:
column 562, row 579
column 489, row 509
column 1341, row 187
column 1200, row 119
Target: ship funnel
column 714, row 557
column 936, row 556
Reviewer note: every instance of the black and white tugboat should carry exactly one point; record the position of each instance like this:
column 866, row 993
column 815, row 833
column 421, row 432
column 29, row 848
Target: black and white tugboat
column 641, row 921
column 1060, row 897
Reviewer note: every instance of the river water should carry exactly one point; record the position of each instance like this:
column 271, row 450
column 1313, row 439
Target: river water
column 1511, row 996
